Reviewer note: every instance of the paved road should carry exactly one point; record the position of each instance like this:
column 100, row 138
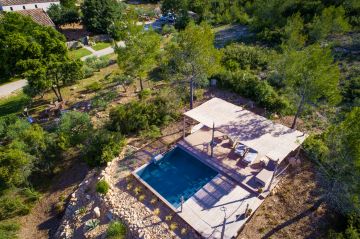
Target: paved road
column 9, row 88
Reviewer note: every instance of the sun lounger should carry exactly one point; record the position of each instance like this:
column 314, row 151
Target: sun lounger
column 250, row 156
column 240, row 150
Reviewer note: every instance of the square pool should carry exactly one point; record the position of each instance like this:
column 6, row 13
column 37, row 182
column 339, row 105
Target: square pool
column 178, row 174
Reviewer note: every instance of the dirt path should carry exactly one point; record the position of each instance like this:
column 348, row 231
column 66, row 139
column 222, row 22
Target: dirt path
column 42, row 222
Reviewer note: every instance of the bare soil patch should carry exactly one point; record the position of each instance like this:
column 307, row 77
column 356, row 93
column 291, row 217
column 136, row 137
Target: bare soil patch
column 43, row 220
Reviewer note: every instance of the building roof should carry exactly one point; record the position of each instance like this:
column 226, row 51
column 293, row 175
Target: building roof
column 39, row 16
column 22, row 2
column 275, row 141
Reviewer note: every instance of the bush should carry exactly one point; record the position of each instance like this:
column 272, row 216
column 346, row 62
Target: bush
column 95, row 86
column 315, row 148
column 100, row 102
column 97, row 63
column 88, row 71
column 241, row 56
column 248, row 85
column 136, row 116
column 145, row 94
column 103, row 147
column 102, row 187
column 11, row 206
column 8, row 229
column 74, row 129
column 116, row 230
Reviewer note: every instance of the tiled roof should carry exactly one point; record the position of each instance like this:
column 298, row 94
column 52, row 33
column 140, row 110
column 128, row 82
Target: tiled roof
column 22, row 2
column 39, row 16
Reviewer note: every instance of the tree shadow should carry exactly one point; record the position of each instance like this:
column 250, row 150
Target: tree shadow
column 294, row 219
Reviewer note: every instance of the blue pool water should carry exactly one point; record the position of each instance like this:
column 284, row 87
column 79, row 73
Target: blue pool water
column 177, row 174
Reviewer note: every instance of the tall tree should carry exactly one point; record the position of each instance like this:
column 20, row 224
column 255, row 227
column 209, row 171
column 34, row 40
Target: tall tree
column 140, row 55
column 99, row 15
column 339, row 158
column 23, row 41
column 311, row 74
column 193, row 57
column 52, row 75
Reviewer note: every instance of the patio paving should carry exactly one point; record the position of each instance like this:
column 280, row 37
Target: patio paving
column 204, row 210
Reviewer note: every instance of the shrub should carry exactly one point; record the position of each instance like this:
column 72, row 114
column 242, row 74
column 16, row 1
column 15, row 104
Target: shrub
column 73, row 129
column 248, row 85
column 11, row 206
column 315, row 148
column 92, row 224
column 241, row 56
column 137, row 116
column 88, row 71
column 173, row 226
column 95, row 86
column 102, row 187
column 8, row 229
column 116, row 230
column 103, row 147
column 157, row 211
column 145, row 94
column 101, row 101
column 97, row 63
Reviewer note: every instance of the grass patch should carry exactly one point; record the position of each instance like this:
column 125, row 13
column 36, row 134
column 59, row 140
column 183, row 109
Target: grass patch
column 77, row 54
column 9, row 229
column 13, row 104
column 116, row 230
column 101, row 45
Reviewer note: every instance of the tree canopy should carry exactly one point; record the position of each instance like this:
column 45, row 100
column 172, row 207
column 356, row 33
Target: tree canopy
column 23, row 42
column 193, row 57
column 99, row 15
column 311, row 75
column 140, row 54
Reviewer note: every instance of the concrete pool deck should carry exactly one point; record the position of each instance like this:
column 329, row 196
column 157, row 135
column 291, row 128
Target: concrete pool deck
column 203, row 211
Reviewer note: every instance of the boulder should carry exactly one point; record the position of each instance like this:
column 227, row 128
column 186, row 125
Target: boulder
column 96, row 211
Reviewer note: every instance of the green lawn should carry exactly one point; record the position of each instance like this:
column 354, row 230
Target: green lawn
column 77, row 54
column 13, row 104
column 101, row 45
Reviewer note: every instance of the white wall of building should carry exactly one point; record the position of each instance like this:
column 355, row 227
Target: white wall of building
column 44, row 5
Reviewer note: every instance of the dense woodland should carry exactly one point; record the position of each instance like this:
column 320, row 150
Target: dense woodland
column 300, row 60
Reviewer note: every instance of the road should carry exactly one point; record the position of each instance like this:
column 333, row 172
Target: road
column 9, row 88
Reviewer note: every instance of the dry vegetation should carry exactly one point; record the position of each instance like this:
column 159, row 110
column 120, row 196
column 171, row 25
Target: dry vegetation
column 294, row 211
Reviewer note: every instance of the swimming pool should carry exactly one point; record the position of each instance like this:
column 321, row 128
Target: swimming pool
column 177, row 174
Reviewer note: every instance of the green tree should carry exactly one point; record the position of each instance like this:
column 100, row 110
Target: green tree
column 23, row 42
column 99, row 15
column 193, row 57
column 294, row 37
column 311, row 75
column 74, row 128
column 140, row 55
column 332, row 20
column 51, row 75
column 23, row 147
column 340, row 164
column 68, row 3
column 103, row 147
column 63, row 15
